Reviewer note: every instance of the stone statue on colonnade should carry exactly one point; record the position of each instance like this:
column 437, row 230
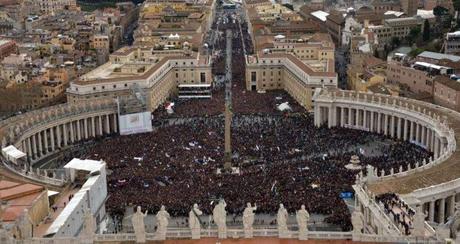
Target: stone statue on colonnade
column 248, row 220
column 281, row 219
column 219, row 215
column 357, row 221
column 194, row 221
column 162, row 223
column 138, row 224
column 302, row 217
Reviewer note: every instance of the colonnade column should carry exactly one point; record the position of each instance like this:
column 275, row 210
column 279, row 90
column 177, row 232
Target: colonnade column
column 349, row 117
column 411, row 134
column 115, row 123
column 365, row 119
column 65, row 132
column 436, row 147
column 52, row 138
column 45, row 136
column 441, row 214
column 379, row 122
column 29, row 148
column 40, row 146
column 406, row 127
column 100, row 126
column 342, row 114
column 372, row 121
column 58, row 133
column 85, row 127
column 423, row 139
column 385, row 124
column 417, row 132
column 34, row 145
column 357, row 117
column 451, row 210
column 107, row 124
column 93, row 127
column 431, row 212
column 399, row 127
column 78, row 130
column 72, row 132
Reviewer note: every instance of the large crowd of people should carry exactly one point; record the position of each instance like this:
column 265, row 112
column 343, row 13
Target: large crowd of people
column 402, row 214
column 282, row 157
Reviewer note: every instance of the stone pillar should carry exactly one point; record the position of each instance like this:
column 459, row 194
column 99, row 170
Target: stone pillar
column 342, row 114
column 58, row 132
column 93, row 127
column 385, row 124
column 65, row 132
column 45, row 139
column 72, row 132
column 442, row 204
column 436, row 148
column 85, row 127
column 40, row 145
column 431, row 211
column 107, row 124
column 52, row 138
column 365, row 119
column 115, row 123
column 371, row 128
column 411, row 136
column 350, row 120
column 433, row 140
column 392, row 124
column 317, row 116
column 101, row 132
column 357, row 117
column 29, row 148
column 423, row 139
column 417, row 132
column 451, row 210
column 406, row 127
column 398, row 127
column 379, row 122
column 78, row 130
column 34, row 144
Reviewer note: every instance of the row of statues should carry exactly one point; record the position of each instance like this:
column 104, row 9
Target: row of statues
column 219, row 215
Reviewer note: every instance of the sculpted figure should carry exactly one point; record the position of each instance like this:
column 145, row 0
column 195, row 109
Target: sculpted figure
column 220, row 218
column 302, row 217
column 281, row 218
column 138, row 225
column 194, row 221
column 248, row 220
column 357, row 221
column 162, row 221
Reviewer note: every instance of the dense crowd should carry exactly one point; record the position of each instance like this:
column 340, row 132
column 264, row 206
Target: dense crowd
column 282, row 159
column 401, row 213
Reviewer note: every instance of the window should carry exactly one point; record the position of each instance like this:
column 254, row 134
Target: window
column 203, row 77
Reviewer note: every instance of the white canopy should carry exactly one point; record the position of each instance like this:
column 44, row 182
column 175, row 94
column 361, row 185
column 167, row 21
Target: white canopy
column 279, row 37
column 12, row 153
column 284, row 106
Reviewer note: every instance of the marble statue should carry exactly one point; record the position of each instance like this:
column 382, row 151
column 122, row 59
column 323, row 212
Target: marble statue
column 219, row 215
column 138, row 225
column 162, row 222
column 194, row 221
column 281, row 219
column 302, row 217
column 248, row 220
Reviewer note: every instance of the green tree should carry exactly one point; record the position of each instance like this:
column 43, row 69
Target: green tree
column 395, row 42
column 413, row 34
column 426, row 31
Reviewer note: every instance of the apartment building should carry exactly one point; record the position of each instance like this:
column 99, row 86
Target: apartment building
column 395, row 28
column 297, row 67
column 50, row 6
column 447, row 92
column 452, row 43
column 157, row 73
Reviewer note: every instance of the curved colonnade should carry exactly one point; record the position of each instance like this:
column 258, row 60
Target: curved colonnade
column 44, row 132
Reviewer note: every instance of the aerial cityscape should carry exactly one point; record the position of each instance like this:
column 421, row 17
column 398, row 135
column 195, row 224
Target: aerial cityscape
column 229, row 121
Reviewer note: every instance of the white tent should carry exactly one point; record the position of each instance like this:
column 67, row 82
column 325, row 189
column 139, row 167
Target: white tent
column 284, row 106
column 12, row 153
column 280, row 37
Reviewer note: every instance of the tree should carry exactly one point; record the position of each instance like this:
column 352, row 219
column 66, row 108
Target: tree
column 413, row 34
column 426, row 31
column 395, row 42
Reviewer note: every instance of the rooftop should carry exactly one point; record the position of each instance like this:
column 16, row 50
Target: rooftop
column 439, row 56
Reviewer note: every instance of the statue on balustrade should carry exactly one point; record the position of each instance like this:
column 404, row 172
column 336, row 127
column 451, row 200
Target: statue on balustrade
column 162, row 222
column 219, row 215
column 194, row 221
column 302, row 217
column 138, row 225
column 281, row 218
column 248, row 219
column 453, row 223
